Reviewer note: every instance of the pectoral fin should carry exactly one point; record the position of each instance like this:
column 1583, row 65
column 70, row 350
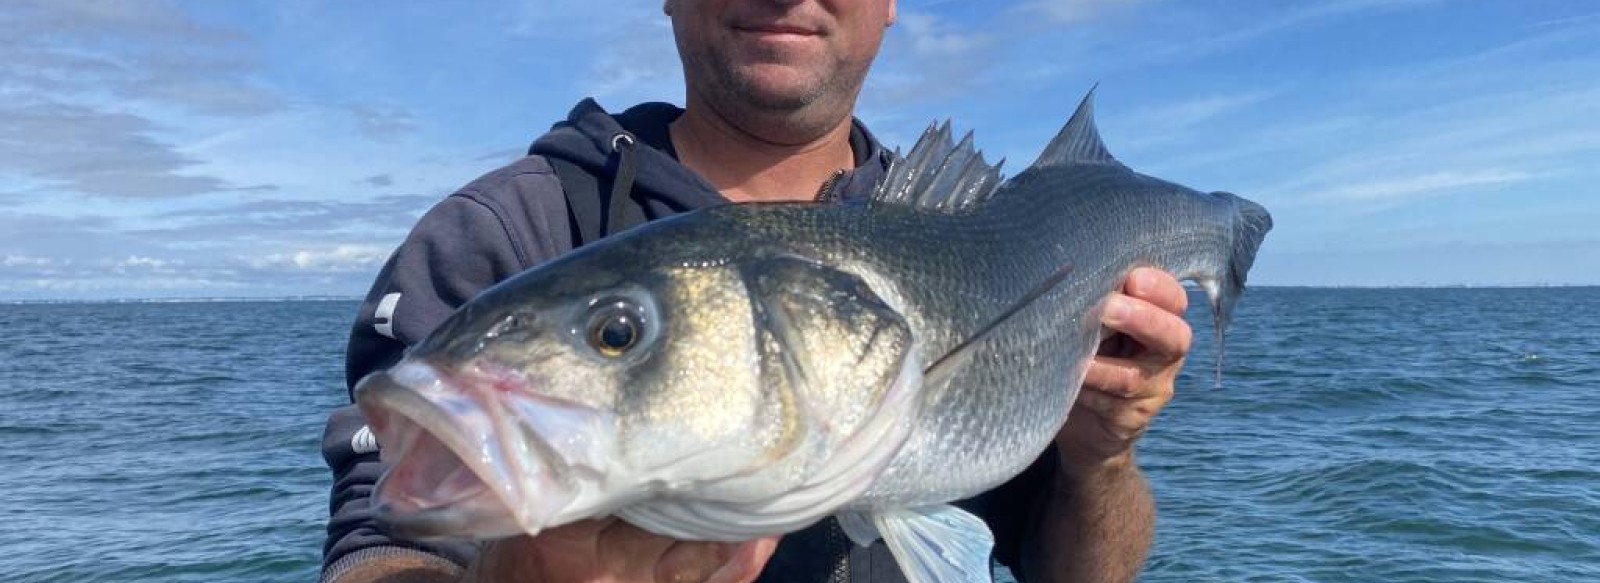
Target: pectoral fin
column 936, row 544
column 946, row 366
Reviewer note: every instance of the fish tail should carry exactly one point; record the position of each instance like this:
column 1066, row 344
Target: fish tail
column 1251, row 223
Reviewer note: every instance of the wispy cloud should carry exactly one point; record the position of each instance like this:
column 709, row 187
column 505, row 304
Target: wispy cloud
column 1236, row 34
column 1169, row 123
column 1511, row 137
column 501, row 155
column 1182, row 115
column 381, row 122
column 638, row 61
column 1566, row 21
column 79, row 75
column 1073, row 11
column 365, row 219
column 1507, row 115
column 163, row 147
column 930, row 37
column 1390, row 189
column 627, row 56
column 95, row 152
column 145, row 50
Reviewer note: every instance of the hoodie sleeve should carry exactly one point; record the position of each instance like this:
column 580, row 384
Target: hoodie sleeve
column 497, row 226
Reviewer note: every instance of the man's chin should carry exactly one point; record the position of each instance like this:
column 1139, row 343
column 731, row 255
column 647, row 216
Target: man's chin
column 777, row 87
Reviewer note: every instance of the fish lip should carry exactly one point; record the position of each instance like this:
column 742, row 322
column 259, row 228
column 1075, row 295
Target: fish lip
column 415, row 404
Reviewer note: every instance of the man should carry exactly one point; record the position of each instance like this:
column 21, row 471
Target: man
column 771, row 87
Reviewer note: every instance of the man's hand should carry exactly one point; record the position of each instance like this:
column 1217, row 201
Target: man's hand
column 1132, row 376
column 1099, row 520
column 613, row 551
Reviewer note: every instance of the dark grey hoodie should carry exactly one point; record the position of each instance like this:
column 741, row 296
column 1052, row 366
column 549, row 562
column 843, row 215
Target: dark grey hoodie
column 519, row 216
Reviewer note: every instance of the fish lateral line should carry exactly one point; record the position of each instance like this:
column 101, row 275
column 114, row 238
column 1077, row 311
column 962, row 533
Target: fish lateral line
column 963, row 352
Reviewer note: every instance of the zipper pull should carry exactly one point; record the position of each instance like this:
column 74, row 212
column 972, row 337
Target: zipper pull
column 825, row 193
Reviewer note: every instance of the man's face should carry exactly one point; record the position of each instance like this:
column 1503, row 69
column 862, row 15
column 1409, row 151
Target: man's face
column 778, row 55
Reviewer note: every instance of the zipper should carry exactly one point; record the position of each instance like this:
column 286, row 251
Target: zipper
column 825, row 193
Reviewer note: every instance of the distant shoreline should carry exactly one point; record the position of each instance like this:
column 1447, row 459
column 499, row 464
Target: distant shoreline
column 1440, row 286
column 335, row 298
column 183, row 300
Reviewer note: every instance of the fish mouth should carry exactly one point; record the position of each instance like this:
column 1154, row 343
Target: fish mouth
column 467, row 458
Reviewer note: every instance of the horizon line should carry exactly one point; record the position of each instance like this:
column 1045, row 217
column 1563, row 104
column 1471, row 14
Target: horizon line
column 343, row 297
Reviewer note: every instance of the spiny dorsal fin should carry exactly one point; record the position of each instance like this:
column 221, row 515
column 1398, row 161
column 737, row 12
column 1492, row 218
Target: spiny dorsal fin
column 940, row 174
column 1079, row 142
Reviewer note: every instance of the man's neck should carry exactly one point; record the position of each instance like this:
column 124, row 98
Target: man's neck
column 746, row 166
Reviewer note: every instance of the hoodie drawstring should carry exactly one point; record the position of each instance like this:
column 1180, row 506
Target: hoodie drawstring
column 621, row 182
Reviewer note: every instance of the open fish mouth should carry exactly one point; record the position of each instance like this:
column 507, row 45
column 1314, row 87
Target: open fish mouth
column 468, row 459
column 430, row 492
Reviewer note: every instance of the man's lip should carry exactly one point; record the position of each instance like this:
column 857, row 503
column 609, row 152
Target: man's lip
column 778, row 29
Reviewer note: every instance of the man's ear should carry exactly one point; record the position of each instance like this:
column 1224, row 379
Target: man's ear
column 887, row 24
column 666, row 7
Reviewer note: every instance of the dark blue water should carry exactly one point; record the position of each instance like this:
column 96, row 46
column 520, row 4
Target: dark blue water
column 1362, row 435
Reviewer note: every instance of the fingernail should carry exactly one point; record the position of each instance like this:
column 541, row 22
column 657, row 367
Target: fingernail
column 1117, row 311
column 1143, row 279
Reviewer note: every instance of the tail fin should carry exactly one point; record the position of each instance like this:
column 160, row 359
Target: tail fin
column 1250, row 228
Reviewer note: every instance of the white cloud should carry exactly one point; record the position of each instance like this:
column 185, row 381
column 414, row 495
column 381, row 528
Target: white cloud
column 122, row 287
column 26, row 261
column 152, row 263
column 929, row 36
column 336, row 259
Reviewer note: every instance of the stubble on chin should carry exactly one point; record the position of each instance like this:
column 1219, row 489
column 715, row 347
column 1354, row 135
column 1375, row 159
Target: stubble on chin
column 808, row 105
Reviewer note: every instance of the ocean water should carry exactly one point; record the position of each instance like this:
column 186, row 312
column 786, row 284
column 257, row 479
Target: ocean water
column 1443, row 435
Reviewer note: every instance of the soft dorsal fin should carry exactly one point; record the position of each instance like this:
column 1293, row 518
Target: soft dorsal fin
column 940, row 174
column 1079, row 142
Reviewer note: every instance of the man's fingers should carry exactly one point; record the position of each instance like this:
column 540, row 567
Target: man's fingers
column 629, row 551
column 1121, row 417
column 1119, row 409
column 747, row 561
column 1121, row 377
column 692, row 562
column 1162, row 333
column 1157, row 287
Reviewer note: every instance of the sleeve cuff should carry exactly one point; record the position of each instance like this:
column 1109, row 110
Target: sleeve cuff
column 400, row 561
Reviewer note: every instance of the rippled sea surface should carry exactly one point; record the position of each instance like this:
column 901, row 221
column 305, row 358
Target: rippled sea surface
column 1361, row 435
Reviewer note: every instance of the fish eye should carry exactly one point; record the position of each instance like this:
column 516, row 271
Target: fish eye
column 615, row 328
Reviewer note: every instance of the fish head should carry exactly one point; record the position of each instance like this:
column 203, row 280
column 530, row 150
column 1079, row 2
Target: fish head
column 624, row 373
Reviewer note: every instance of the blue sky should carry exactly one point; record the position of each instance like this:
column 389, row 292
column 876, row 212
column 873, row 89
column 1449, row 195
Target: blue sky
column 283, row 147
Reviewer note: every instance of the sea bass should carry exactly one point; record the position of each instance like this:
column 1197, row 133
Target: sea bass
column 747, row 370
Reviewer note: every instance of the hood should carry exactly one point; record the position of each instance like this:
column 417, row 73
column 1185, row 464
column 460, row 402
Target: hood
column 586, row 138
